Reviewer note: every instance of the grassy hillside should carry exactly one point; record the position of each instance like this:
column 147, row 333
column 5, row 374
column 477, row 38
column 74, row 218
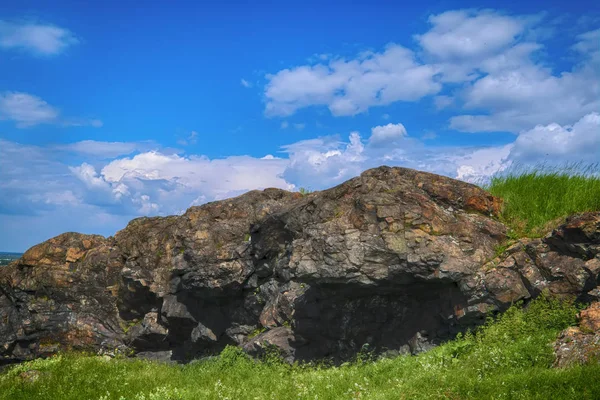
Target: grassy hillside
column 535, row 198
column 508, row 358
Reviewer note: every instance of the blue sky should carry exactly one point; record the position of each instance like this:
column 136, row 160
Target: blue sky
column 114, row 111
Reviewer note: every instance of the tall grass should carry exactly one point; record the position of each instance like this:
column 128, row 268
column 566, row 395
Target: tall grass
column 534, row 198
column 507, row 358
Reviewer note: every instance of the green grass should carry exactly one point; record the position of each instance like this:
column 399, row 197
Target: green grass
column 509, row 358
column 304, row 191
column 536, row 198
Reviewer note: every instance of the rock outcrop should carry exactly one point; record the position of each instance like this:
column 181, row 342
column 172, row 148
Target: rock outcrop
column 578, row 345
column 395, row 259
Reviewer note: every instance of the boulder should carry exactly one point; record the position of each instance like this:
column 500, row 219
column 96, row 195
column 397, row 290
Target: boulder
column 396, row 260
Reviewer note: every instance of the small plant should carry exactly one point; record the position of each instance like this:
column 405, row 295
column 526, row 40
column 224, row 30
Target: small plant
column 127, row 325
column 304, row 191
column 257, row 332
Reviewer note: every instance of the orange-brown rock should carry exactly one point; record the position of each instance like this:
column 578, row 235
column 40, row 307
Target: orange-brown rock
column 580, row 344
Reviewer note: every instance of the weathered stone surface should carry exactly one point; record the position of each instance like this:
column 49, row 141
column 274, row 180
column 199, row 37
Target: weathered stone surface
column 395, row 259
column 566, row 263
column 580, row 344
column 590, row 318
column 281, row 339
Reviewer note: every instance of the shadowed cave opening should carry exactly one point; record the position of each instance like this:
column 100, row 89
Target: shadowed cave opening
column 335, row 321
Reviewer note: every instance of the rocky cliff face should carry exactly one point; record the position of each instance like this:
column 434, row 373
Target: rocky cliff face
column 395, row 259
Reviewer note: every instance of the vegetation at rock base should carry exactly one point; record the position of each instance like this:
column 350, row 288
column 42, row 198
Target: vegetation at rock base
column 304, row 191
column 535, row 198
column 509, row 357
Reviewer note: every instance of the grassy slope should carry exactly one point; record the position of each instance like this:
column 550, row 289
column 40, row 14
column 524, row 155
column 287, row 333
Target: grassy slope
column 535, row 199
column 507, row 359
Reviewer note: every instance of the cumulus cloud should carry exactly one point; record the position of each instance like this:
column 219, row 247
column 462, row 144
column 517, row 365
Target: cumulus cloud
column 36, row 38
column 555, row 144
column 488, row 66
column 323, row 162
column 386, row 134
column 349, row 87
column 88, row 175
column 504, row 84
column 245, row 83
column 461, row 42
column 469, row 34
column 215, row 177
column 479, row 165
column 27, row 110
column 522, row 98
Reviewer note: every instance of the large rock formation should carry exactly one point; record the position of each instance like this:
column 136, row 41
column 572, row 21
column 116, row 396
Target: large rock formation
column 395, row 259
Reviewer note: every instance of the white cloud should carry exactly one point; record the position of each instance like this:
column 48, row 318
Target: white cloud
column 479, row 165
column 88, row 175
column 324, row 162
column 491, row 66
column 245, row 83
column 510, row 92
column 528, row 96
column 174, row 182
column 351, row 87
column 104, row 149
column 469, row 34
column 36, row 38
column 27, row 110
column 284, row 125
column 299, row 127
column 555, row 144
column 386, row 134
